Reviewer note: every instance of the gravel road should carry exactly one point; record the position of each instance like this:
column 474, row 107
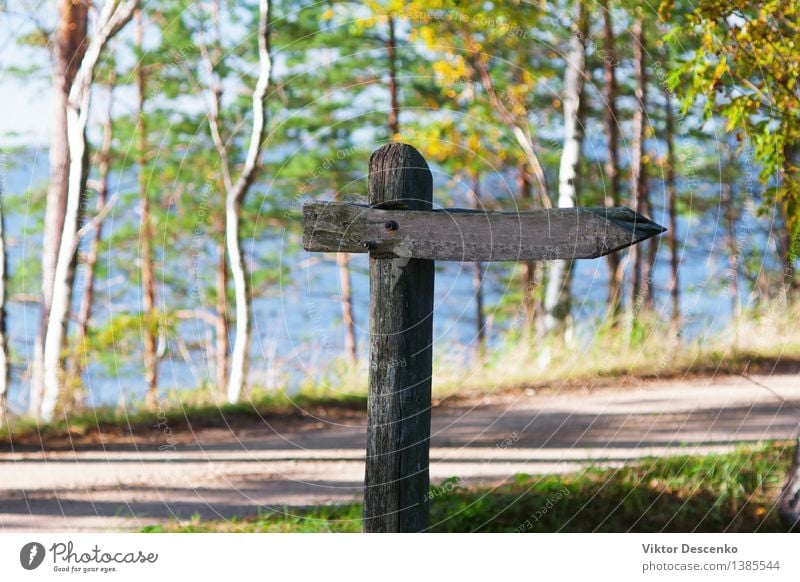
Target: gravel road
column 219, row 473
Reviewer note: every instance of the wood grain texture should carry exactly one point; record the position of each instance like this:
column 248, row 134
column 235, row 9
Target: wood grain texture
column 472, row 235
column 401, row 334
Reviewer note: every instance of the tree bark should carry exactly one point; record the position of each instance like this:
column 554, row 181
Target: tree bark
column 789, row 499
column 528, row 274
column 391, row 50
column 477, row 275
column 5, row 366
column 557, row 294
column 79, row 361
column 638, row 270
column 611, row 166
column 789, row 284
column 342, row 263
column 221, row 318
column 730, row 224
column 233, row 205
column 672, row 235
column 112, row 18
column 149, row 315
column 69, row 47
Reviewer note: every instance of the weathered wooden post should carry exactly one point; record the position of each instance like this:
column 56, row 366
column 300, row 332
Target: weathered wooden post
column 404, row 236
column 401, row 354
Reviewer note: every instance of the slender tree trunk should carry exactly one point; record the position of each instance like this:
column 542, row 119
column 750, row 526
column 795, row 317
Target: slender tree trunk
column 342, row 263
column 477, row 275
column 557, row 295
column 56, row 335
column 643, row 192
column 68, row 49
column 528, row 273
column 611, row 167
column 638, row 271
column 789, row 499
column 5, row 366
column 112, row 18
column 730, row 223
column 221, row 327
column 789, row 284
column 672, row 235
column 237, row 380
column 78, row 362
column 149, row 315
column 391, row 50
column 519, row 127
column 233, row 204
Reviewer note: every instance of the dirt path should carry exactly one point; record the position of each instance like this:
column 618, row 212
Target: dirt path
column 219, row 473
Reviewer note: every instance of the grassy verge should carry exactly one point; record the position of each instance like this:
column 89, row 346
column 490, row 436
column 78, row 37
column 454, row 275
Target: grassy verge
column 178, row 412
column 761, row 342
column 732, row 492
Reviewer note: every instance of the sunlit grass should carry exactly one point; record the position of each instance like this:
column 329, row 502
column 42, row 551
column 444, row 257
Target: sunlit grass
column 723, row 492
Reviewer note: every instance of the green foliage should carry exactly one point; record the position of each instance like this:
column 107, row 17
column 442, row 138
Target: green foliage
column 745, row 66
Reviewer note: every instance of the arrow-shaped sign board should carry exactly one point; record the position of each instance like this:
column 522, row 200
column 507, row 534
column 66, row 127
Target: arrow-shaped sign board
column 400, row 223
column 473, row 235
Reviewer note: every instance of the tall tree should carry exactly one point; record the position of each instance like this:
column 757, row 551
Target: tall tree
column 233, row 205
column 745, row 68
column 391, row 53
column 743, row 65
column 112, row 18
column 612, row 196
column 672, row 208
column 477, row 273
column 5, row 366
column 639, row 272
column 69, row 45
column 730, row 203
column 146, row 232
column 557, row 294
column 80, row 358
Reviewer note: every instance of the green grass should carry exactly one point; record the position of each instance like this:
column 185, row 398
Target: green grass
column 177, row 411
column 732, row 492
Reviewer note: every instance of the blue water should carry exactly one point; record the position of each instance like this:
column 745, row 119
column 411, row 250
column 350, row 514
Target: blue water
column 297, row 328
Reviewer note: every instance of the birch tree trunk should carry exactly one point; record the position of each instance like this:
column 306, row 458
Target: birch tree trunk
column 149, row 316
column 233, row 205
column 5, row 367
column 68, row 48
column 112, row 18
column 638, row 199
column 221, row 318
column 611, row 166
column 78, row 362
column 557, row 293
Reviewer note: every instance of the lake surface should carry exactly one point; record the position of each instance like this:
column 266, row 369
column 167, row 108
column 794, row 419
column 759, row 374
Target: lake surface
column 297, row 329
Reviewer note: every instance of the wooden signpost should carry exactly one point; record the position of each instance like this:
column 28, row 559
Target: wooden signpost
column 404, row 236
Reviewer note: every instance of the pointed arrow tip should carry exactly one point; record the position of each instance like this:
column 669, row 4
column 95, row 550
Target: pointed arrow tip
column 646, row 228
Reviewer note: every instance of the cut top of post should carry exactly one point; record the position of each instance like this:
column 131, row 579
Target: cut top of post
column 399, row 177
